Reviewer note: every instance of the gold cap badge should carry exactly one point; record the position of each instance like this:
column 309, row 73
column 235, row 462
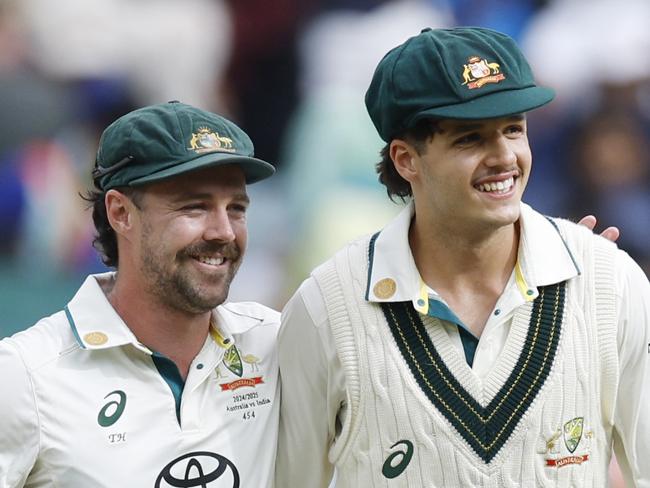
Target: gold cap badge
column 478, row 72
column 205, row 140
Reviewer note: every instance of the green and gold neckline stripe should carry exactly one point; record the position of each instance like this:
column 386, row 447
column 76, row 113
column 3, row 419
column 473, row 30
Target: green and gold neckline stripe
column 485, row 429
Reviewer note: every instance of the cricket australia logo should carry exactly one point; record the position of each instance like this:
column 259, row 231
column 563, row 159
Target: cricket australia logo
column 478, row 72
column 234, row 362
column 573, row 435
column 201, row 469
column 205, row 141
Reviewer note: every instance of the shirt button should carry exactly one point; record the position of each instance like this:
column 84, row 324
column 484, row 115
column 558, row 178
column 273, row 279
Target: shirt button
column 199, row 366
column 226, row 341
column 420, row 302
column 529, row 292
column 497, row 311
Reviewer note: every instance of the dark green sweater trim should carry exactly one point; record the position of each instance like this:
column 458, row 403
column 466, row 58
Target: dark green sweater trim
column 485, row 429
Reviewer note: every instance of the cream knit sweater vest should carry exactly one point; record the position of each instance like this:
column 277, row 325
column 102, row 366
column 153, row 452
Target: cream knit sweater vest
column 394, row 434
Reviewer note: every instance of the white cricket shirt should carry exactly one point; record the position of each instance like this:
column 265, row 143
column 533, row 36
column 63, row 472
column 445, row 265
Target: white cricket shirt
column 84, row 404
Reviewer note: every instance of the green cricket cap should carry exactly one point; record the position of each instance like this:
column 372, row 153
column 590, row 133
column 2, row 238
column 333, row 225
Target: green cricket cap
column 161, row 141
column 460, row 73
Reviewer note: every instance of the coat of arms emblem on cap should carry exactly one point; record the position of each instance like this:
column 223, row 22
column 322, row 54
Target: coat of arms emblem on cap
column 205, row 140
column 477, row 72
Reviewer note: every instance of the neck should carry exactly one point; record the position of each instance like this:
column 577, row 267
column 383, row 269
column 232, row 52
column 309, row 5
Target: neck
column 453, row 261
column 176, row 334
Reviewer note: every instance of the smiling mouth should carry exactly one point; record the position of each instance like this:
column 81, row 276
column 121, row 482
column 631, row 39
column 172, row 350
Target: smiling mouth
column 496, row 187
column 212, row 261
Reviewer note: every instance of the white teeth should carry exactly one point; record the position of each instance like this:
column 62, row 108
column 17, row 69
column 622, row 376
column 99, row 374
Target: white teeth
column 211, row 261
column 499, row 187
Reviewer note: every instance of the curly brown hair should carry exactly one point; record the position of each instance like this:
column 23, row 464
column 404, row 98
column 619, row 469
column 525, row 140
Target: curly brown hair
column 105, row 240
column 418, row 136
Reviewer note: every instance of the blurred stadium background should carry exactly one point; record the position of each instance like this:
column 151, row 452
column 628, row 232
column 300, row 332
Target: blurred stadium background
column 292, row 73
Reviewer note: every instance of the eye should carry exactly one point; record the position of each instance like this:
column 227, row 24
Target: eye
column 195, row 206
column 467, row 139
column 238, row 208
column 515, row 129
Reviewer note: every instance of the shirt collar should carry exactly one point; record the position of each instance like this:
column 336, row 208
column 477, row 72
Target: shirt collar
column 392, row 275
column 94, row 322
column 232, row 319
column 96, row 325
column 543, row 258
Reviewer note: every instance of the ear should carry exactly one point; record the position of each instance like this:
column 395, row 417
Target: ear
column 119, row 211
column 403, row 154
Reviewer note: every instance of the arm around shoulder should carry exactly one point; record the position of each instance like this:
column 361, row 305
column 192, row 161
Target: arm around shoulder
column 19, row 426
column 308, row 410
column 632, row 414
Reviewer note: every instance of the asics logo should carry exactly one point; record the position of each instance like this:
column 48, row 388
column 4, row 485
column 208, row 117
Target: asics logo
column 397, row 462
column 112, row 411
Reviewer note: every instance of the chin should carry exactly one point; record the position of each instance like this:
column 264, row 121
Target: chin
column 504, row 216
column 213, row 301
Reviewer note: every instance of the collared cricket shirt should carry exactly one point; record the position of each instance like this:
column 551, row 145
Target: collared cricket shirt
column 86, row 405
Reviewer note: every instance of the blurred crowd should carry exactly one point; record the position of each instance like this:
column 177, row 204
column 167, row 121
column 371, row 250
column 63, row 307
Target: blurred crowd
column 293, row 75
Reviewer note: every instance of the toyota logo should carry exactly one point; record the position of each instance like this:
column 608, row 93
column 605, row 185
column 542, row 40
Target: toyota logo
column 200, row 469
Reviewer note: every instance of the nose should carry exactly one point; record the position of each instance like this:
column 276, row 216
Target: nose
column 500, row 152
column 219, row 227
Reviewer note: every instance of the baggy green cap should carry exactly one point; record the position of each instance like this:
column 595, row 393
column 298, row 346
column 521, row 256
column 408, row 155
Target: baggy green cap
column 460, row 73
column 161, row 141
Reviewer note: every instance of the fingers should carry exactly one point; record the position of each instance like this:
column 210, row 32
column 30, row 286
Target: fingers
column 611, row 233
column 589, row 221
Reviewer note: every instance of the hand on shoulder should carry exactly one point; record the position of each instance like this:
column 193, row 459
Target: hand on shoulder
column 612, row 233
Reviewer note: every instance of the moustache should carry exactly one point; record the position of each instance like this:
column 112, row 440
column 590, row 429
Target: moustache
column 229, row 251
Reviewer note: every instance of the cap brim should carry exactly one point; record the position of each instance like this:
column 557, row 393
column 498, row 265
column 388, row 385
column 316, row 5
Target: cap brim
column 254, row 169
column 492, row 105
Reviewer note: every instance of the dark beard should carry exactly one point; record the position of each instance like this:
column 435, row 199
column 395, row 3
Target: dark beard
column 177, row 289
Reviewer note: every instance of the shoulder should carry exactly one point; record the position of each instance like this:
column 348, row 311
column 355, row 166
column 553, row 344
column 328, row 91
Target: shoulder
column 251, row 313
column 579, row 239
column 355, row 249
column 610, row 262
column 40, row 344
column 573, row 230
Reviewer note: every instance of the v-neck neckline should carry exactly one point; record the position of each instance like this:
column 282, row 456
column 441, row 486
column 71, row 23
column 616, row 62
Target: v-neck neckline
column 484, row 413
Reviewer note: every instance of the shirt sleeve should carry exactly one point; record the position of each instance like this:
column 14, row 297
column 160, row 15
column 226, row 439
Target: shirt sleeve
column 632, row 411
column 19, row 429
column 313, row 392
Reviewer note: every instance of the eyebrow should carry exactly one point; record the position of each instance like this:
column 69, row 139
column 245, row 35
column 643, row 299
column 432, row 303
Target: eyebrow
column 240, row 196
column 468, row 127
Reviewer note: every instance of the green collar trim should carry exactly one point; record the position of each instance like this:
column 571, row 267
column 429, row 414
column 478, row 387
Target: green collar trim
column 566, row 246
column 73, row 327
column 485, row 429
column 172, row 376
column 371, row 258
